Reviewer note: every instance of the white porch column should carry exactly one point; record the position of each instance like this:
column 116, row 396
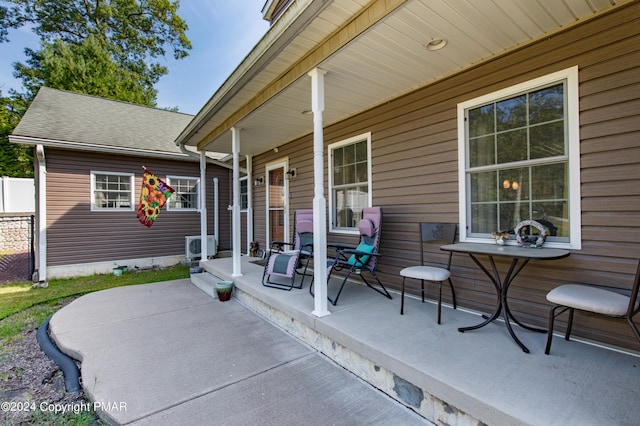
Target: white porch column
column 204, row 249
column 319, row 202
column 249, row 160
column 235, row 208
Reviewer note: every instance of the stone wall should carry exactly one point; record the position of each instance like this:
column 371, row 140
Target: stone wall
column 15, row 232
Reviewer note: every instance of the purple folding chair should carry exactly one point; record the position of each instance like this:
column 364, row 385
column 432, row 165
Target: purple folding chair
column 361, row 259
column 287, row 263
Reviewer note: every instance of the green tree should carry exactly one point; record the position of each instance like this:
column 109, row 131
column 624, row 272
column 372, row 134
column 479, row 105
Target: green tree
column 107, row 48
column 15, row 160
column 85, row 68
column 133, row 32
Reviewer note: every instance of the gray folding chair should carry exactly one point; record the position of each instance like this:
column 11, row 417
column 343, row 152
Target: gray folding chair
column 287, row 264
column 432, row 233
column 598, row 300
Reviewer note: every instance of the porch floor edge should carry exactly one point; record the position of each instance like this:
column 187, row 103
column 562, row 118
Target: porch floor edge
column 447, row 377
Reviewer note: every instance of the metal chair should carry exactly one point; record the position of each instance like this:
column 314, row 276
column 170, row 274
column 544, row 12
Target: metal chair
column 432, row 233
column 615, row 303
column 361, row 259
column 288, row 263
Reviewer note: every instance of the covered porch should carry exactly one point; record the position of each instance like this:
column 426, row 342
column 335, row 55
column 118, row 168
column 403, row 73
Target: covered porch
column 478, row 377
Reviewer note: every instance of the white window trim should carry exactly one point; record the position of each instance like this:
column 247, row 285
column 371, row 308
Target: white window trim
column 284, row 164
column 94, row 208
column 246, row 179
column 331, row 147
column 184, row 209
column 573, row 129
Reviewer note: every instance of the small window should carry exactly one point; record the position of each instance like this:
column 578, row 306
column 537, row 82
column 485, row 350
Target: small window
column 519, row 151
column 185, row 197
column 112, row 191
column 350, row 182
column 244, row 194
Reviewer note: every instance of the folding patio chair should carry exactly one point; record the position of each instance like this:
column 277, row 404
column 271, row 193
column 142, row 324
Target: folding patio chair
column 287, row 264
column 611, row 302
column 361, row 259
column 432, row 271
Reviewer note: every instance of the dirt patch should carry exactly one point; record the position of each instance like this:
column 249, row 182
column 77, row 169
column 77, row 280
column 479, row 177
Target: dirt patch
column 29, row 380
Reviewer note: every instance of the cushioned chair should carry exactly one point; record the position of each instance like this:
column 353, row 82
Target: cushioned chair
column 361, row 259
column 288, row 263
column 606, row 301
column 432, row 233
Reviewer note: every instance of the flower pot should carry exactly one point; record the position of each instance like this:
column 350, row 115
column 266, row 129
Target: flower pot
column 224, row 289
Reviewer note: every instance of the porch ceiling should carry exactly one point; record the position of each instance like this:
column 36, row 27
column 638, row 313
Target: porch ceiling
column 268, row 93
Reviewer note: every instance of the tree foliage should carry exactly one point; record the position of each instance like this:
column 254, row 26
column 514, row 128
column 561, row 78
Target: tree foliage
column 15, row 160
column 83, row 68
column 131, row 33
column 106, row 48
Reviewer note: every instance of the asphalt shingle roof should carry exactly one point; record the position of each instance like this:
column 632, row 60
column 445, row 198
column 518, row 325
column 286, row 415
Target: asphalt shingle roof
column 58, row 115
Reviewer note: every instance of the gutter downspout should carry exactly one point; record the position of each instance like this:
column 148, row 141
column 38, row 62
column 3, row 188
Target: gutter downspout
column 204, row 246
column 203, row 199
column 41, row 216
column 216, row 228
column 249, row 161
column 193, row 154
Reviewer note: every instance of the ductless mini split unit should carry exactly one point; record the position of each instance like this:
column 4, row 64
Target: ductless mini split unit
column 193, row 247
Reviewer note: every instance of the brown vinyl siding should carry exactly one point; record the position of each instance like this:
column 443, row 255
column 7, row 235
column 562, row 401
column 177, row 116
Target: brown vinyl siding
column 76, row 235
column 415, row 169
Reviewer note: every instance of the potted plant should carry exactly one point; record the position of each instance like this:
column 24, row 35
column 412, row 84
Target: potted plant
column 224, row 289
column 500, row 236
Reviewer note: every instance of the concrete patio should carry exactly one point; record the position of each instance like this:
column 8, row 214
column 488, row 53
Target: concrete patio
column 158, row 347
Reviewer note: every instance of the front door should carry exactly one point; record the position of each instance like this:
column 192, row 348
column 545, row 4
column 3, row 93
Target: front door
column 277, row 203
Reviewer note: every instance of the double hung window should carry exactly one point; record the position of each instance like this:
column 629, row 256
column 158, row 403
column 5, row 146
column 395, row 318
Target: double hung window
column 519, row 159
column 350, row 182
column 186, row 195
column 111, row 191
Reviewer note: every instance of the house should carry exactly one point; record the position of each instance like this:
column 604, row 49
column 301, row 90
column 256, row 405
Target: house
column 476, row 113
column 89, row 159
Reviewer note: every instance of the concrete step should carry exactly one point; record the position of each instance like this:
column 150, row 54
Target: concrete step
column 206, row 282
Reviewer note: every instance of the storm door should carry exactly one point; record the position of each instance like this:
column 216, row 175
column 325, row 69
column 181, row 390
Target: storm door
column 277, row 203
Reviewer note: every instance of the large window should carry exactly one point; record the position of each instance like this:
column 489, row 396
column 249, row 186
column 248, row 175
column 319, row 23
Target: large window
column 111, row 191
column 350, row 182
column 520, row 159
column 185, row 197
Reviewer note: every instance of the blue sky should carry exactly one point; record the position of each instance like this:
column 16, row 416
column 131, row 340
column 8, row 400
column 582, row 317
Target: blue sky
column 222, row 33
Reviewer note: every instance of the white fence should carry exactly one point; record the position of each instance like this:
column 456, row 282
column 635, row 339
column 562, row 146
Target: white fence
column 17, row 195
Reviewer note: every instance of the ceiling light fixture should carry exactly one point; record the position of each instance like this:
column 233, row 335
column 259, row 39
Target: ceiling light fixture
column 435, row 44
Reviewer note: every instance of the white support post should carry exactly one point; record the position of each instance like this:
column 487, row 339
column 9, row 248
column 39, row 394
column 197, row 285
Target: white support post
column 319, row 202
column 235, row 208
column 249, row 160
column 216, row 209
column 204, row 249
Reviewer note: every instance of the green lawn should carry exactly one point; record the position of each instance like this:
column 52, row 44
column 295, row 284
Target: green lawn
column 22, row 306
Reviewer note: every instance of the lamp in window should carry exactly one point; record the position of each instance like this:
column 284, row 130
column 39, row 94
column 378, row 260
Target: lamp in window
column 258, row 181
column 513, row 185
